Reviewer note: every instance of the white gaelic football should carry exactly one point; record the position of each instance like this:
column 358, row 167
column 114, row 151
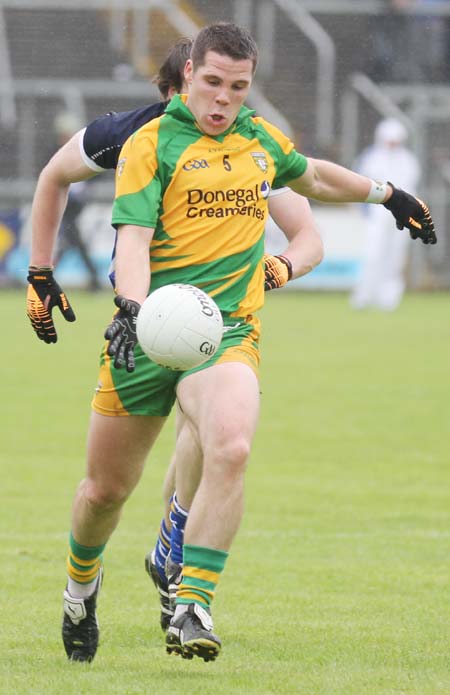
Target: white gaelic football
column 179, row 326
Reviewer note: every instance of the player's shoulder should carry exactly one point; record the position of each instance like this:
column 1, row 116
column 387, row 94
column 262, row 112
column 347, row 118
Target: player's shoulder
column 104, row 137
column 260, row 123
column 272, row 132
column 147, row 130
column 160, row 131
column 124, row 123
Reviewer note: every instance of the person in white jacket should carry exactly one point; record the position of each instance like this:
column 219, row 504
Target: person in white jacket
column 381, row 282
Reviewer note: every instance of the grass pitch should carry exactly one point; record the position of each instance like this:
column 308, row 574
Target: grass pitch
column 338, row 581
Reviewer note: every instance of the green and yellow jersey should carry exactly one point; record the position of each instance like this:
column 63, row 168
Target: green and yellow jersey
column 206, row 197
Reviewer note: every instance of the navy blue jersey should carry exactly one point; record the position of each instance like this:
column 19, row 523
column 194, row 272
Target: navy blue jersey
column 103, row 138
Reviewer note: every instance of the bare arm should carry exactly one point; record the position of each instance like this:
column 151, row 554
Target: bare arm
column 332, row 183
column 292, row 213
column 50, row 198
column 132, row 262
column 132, row 270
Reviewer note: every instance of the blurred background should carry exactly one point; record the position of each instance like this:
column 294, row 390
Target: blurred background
column 329, row 71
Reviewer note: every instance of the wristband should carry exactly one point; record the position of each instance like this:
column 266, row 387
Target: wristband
column 377, row 192
column 288, row 265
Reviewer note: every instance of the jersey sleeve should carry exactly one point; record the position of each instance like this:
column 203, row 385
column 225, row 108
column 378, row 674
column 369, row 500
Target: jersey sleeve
column 138, row 186
column 100, row 144
column 292, row 167
column 84, row 156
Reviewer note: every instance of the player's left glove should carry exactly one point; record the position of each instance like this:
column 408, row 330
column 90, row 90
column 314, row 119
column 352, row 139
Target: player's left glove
column 277, row 271
column 43, row 295
column 412, row 213
column 121, row 333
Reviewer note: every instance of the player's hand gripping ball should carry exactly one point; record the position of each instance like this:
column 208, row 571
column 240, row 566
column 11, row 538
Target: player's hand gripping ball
column 179, row 326
column 121, row 333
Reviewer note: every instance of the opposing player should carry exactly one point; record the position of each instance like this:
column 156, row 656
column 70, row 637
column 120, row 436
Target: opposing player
column 90, row 152
column 203, row 225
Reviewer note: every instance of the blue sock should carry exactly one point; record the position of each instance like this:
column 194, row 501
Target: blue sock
column 178, row 517
column 162, row 550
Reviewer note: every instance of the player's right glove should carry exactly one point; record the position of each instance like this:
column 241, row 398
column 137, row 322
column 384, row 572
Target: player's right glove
column 412, row 213
column 121, row 333
column 43, row 294
column 277, row 271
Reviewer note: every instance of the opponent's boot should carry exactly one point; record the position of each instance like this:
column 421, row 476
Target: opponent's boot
column 162, row 589
column 173, row 574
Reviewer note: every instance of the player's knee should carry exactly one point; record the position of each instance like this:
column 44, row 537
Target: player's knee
column 105, row 497
column 231, row 456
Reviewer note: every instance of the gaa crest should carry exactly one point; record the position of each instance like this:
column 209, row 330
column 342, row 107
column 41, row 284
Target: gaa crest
column 260, row 160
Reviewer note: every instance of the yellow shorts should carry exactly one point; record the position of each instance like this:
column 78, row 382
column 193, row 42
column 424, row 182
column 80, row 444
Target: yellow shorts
column 151, row 389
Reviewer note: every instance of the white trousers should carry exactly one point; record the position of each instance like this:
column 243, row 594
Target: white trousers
column 381, row 282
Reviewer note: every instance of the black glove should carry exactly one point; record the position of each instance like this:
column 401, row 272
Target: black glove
column 277, row 271
column 412, row 213
column 121, row 333
column 43, row 294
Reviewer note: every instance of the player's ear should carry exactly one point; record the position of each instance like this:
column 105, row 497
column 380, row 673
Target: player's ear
column 188, row 71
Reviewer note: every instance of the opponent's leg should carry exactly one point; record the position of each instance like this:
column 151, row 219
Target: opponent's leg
column 164, row 568
column 155, row 560
column 189, row 462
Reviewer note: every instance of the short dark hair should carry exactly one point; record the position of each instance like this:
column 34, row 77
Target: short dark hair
column 226, row 39
column 171, row 72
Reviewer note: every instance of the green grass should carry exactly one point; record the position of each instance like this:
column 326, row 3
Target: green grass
column 338, row 581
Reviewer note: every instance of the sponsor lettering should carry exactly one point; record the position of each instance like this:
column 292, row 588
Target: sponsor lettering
column 226, row 203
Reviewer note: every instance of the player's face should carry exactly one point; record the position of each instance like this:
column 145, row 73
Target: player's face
column 217, row 90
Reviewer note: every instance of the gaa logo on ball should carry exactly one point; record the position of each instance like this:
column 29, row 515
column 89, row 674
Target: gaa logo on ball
column 179, row 326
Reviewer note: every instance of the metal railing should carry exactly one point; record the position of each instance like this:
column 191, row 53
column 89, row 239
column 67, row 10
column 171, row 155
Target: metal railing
column 139, row 9
column 416, row 106
column 326, row 58
column 73, row 95
column 361, row 87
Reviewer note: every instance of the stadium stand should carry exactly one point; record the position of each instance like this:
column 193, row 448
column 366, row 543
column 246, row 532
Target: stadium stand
column 315, row 74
